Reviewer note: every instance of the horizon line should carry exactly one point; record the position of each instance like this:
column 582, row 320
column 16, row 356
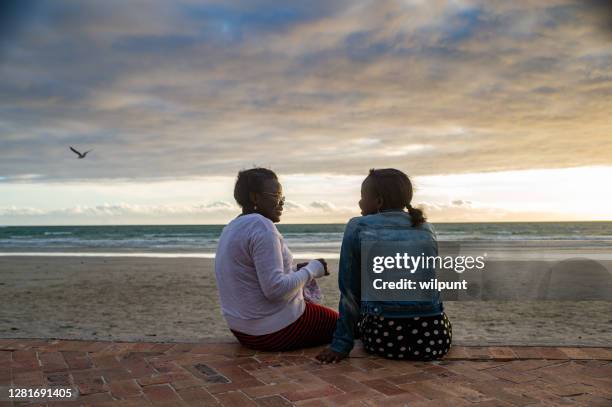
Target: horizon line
column 297, row 223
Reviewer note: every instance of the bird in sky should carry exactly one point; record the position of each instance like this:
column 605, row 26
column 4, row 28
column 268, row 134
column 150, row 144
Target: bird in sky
column 80, row 155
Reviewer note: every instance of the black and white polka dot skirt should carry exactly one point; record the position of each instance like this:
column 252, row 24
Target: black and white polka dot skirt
column 418, row 338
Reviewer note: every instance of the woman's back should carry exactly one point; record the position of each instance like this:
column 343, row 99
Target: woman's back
column 248, row 247
column 260, row 289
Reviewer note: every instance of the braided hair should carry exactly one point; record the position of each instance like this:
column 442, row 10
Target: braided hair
column 395, row 189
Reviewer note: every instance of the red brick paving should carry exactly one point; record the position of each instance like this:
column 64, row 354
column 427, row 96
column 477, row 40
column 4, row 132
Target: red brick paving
column 152, row 374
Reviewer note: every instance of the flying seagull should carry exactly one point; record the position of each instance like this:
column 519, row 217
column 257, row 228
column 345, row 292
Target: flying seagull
column 80, row 155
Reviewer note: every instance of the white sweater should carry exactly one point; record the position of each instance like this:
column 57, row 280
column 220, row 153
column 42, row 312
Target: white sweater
column 259, row 289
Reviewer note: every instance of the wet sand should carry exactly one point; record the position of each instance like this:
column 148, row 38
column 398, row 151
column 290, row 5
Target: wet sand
column 160, row 299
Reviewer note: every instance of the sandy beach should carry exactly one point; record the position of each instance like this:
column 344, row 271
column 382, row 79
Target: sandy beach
column 156, row 299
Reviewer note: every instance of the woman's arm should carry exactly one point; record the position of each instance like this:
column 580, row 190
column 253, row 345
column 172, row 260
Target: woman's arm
column 268, row 260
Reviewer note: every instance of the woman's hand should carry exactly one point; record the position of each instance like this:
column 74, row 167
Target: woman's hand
column 329, row 356
column 324, row 263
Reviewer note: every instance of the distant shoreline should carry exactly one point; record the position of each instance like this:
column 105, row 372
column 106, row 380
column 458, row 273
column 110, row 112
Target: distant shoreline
column 552, row 250
column 502, row 241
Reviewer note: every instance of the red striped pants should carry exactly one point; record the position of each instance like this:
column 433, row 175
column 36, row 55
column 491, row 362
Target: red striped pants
column 315, row 327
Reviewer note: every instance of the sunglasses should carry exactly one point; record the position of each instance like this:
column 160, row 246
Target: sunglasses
column 280, row 199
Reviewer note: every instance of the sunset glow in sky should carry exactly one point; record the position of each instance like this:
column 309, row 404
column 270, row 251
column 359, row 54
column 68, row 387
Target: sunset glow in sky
column 499, row 111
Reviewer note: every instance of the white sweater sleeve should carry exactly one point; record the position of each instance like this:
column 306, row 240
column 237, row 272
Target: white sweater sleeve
column 268, row 260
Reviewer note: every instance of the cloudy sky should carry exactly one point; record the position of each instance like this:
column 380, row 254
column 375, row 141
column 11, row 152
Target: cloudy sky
column 498, row 110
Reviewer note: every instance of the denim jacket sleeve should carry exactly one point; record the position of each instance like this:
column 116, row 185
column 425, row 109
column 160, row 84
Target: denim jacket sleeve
column 349, row 283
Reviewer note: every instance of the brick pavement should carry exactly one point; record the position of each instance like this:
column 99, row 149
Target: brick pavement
column 217, row 374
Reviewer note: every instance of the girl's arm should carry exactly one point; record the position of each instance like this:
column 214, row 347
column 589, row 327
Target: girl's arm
column 349, row 283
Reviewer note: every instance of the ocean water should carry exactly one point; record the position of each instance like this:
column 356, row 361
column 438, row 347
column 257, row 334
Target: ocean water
column 303, row 240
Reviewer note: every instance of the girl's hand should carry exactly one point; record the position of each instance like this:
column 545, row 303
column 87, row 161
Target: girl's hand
column 329, row 356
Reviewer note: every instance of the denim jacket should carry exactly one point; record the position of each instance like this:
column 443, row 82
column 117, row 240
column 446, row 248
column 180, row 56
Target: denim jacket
column 393, row 225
